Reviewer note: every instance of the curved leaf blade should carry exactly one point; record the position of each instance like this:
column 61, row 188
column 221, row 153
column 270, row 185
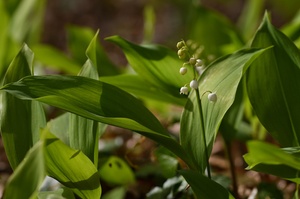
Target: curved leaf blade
column 223, row 77
column 28, row 176
column 267, row 158
column 203, row 187
column 71, row 167
column 136, row 85
column 29, row 116
column 275, row 97
column 156, row 64
column 97, row 101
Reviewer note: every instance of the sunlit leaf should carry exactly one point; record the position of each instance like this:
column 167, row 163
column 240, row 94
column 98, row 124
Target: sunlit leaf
column 267, row 158
column 273, row 83
column 97, row 101
column 203, row 187
column 85, row 133
column 115, row 171
column 71, row 168
column 20, row 120
column 28, row 176
column 221, row 77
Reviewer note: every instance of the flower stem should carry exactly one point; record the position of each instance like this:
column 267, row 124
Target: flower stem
column 203, row 132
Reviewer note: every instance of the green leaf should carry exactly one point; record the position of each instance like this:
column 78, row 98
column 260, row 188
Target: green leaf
column 213, row 31
column 59, row 126
column 25, row 19
column 71, row 168
column 85, row 133
column 97, row 101
column 267, row 158
column 167, row 163
column 222, row 77
column 54, row 58
column 61, row 193
column 155, row 64
column 86, row 37
column 203, row 187
column 136, row 85
column 115, row 171
column 273, row 83
column 20, row 120
column 28, row 176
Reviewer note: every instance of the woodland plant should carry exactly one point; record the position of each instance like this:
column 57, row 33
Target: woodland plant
column 215, row 96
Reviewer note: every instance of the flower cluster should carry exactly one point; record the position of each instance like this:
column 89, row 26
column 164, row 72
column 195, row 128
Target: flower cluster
column 191, row 62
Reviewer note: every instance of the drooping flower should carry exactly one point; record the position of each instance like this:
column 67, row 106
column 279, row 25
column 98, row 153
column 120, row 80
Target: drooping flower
column 212, row 97
column 194, row 84
column 183, row 70
column 184, row 90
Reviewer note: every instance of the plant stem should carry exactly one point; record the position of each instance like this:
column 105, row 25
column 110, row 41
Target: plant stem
column 203, row 132
column 232, row 168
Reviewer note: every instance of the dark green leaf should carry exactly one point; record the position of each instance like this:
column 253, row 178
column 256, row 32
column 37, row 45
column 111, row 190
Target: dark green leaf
column 203, row 187
column 71, row 168
column 155, row 64
column 273, row 83
column 85, row 133
column 20, row 120
column 222, row 77
column 138, row 86
column 97, row 101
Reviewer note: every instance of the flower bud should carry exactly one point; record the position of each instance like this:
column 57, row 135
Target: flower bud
column 192, row 61
column 212, row 97
column 199, row 62
column 184, row 90
column 194, row 84
column 180, row 44
column 181, row 53
column 183, row 70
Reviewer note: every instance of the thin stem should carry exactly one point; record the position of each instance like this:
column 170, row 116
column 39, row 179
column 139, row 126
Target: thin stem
column 203, row 132
column 232, row 168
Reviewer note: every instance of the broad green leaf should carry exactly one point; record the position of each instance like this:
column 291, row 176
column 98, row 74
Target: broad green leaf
column 116, row 193
column 71, row 168
column 250, row 18
column 136, row 85
column 26, row 18
column 167, row 162
column 54, row 58
column 97, row 101
column 155, row 64
column 86, row 37
column 203, row 187
column 212, row 30
column 267, row 158
column 28, row 176
column 61, row 193
column 116, row 171
column 59, row 127
column 20, row 120
column 85, row 133
column 273, row 83
column 222, row 77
